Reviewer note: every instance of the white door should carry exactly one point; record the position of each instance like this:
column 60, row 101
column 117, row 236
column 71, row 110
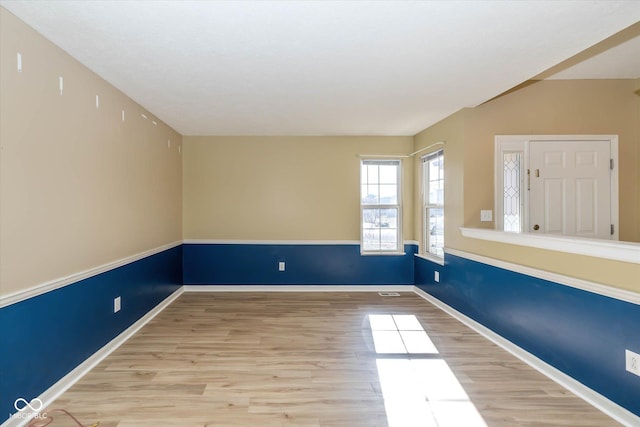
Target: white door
column 570, row 188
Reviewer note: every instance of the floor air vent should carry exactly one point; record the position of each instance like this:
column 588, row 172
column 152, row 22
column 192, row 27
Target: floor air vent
column 388, row 294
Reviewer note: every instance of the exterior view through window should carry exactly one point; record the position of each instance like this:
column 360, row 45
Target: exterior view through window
column 433, row 203
column 380, row 210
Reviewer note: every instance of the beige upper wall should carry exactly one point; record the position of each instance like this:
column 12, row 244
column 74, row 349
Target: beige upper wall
column 557, row 107
column 78, row 187
column 282, row 188
column 547, row 107
column 451, row 131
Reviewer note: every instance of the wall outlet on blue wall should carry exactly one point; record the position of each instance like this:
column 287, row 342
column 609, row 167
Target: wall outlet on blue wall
column 281, row 266
column 633, row 362
column 436, row 276
column 117, row 304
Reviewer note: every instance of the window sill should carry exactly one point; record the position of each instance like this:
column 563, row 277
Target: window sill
column 382, row 253
column 605, row 249
column 432, row 258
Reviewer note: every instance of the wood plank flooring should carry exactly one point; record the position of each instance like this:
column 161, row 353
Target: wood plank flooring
column 300, row 359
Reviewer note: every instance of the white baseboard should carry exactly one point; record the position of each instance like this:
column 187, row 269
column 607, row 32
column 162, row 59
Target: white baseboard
column 56, row 390
column 298, row 288
column 605, row 405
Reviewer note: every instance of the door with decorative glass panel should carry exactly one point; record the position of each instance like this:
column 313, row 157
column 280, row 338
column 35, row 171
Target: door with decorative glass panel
column 557, row 184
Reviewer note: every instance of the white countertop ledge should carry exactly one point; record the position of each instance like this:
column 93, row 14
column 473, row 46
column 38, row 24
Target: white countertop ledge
column 606, row 249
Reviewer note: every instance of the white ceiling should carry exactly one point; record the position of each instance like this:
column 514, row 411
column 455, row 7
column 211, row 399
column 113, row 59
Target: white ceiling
column 319, row 67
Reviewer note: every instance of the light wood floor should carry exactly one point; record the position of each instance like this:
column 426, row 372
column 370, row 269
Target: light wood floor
column 299, row 359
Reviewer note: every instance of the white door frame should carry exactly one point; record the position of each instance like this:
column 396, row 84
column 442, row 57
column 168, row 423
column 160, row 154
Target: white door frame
column 520, row 143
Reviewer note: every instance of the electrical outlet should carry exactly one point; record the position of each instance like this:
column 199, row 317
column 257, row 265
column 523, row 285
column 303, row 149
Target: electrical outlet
column 633, row 362
column 436, row 276
column 116, row 304
column 281, row 266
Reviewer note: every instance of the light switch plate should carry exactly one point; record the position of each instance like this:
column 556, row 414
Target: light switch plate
column 486, row 215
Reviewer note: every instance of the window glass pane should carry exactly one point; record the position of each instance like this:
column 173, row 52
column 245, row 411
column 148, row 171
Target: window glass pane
column 370, row 218
column 372, row 197
column 425, row 182
column 435, row 219
column 371, row 239
column 371, row 230
column 388, row 174
column 389, row 218
column 380, row 229
column 379, row 184
column 435, row 180
column 372, row 174
column 436, row 168
column 436, row 192
column 512, row 201
column 388, row 194
column 389, row 229
column 388, row 240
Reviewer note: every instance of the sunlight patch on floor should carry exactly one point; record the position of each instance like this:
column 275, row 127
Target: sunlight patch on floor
column 418, row 391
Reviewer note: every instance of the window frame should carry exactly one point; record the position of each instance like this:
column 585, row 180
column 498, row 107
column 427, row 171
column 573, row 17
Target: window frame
column 427, row 206
column 399, row 188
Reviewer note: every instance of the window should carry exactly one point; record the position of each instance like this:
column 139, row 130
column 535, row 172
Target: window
column 380, row 206
column 433, row 203
column 513, row 184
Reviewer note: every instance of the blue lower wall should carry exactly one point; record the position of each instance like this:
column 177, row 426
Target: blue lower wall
column 582, row 334
column 47, row 336
column 330, row 264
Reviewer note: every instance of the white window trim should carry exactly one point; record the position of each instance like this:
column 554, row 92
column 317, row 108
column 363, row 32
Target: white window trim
column 400, row 240
column 430, row 257
column 424, row 252
column 512, row 143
